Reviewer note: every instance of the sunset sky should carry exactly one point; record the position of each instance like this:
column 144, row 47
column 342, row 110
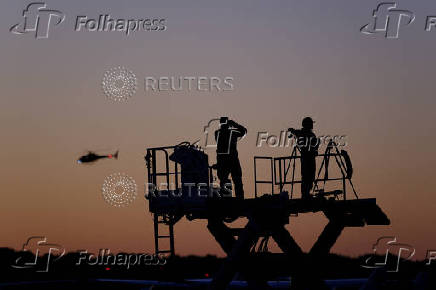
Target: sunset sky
column 289, row 59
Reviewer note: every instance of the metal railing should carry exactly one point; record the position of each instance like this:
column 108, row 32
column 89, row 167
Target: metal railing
column 284, row 167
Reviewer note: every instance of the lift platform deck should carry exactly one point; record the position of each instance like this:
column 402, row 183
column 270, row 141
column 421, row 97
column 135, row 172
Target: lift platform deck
column 360, row 211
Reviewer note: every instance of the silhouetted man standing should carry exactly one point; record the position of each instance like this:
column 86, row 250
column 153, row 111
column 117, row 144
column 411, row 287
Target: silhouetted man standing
column 308, row 144
column 227, row 137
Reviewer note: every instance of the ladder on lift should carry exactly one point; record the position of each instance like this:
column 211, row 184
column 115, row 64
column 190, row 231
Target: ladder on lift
column 160, row 220
column 163, row 222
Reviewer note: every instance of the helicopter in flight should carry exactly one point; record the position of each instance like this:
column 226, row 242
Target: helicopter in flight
column 92, row 157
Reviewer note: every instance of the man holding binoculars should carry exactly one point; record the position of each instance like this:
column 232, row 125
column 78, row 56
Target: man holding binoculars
column 227, row 158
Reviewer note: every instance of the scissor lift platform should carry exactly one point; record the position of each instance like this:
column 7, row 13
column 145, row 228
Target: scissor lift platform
column 267, row 216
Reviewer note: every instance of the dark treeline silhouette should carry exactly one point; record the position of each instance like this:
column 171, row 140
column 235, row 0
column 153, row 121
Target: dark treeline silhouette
column 177, row 269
